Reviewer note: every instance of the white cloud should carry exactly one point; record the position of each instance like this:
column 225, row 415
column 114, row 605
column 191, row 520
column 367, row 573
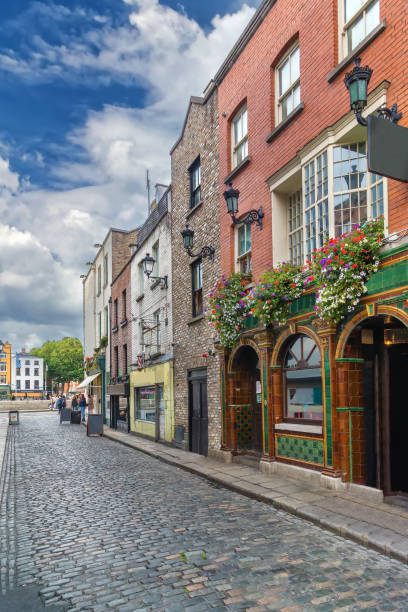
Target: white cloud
column 48, row 234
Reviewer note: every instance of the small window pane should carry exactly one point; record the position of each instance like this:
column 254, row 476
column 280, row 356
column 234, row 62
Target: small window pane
column 284, row 77
column 372, row 17
column 356, row 33
column 295, row 66
column 350, row 8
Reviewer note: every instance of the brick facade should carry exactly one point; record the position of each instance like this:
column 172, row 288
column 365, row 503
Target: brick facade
column 194, row 337
column 122, row 336
column 251, row 79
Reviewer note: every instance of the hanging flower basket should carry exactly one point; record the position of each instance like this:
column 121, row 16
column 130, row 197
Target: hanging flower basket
column 273, row 293
column 342, row 267
column 228, row 308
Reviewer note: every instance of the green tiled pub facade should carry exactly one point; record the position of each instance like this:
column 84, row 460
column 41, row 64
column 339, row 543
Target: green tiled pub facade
column 351, row 431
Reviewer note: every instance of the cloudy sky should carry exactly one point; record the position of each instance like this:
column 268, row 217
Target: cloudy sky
column 92, row 93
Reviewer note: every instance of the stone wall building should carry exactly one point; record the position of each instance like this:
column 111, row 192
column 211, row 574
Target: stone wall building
column 195, row 189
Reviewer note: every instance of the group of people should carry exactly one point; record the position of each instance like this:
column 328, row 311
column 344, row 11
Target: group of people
column 78, row 402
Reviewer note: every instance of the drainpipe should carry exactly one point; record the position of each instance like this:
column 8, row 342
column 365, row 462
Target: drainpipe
column 101, row 363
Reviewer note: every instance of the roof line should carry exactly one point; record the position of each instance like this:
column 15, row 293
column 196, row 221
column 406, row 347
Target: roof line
column 244, row 39
column 209, row 90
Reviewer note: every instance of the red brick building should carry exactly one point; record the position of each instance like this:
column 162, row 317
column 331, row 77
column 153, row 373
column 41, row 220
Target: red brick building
column 121, row 349
column 289, row 143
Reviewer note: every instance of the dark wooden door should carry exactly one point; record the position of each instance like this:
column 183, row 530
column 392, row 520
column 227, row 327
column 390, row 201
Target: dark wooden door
column 198, row 416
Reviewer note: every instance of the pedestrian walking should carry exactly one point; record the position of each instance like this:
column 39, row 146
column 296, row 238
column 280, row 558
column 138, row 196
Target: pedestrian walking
column 64, row 402
column 58, row 403
column 82, row 405
column 74, row 403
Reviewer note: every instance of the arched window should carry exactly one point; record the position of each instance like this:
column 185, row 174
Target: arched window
column 303, row 381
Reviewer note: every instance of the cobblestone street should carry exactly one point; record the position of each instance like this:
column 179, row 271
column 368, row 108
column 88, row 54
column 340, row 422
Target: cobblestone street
column 99, row 526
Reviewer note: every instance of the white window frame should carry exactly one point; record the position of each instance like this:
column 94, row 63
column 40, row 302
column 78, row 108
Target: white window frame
column 295, row 201
column 290, row 177
column 281, row 96
column 345, row 26
column 236, row 146
column 247, row 254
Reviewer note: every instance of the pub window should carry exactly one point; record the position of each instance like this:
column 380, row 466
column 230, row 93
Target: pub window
column 27, row 384
column 288, row 83
column 239, row 137
column 18, row 384
column 145, row 404
column 295, row 228
column 244, row 258
column 303, row 381
column 115, row 313
column 116, row 357
column 195, row 183
column 124, row 313
column 36, row 384
column 125, row 359
column 359, row 18
column 197, row 287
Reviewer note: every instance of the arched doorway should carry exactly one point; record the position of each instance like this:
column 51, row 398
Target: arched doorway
column 381, row 344
column 247, row 401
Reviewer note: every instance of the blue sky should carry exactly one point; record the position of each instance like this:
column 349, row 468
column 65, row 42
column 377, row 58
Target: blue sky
column 92, row 92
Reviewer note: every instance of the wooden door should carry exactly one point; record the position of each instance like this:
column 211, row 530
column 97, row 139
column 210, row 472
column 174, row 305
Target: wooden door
column 198, row 416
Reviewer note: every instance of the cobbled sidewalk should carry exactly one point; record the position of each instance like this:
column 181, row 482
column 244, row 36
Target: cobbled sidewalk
column 374, row 524
column 99, row 526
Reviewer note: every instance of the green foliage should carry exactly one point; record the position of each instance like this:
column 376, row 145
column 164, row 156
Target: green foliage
column 270, row 299
column 63, row 357
column 342, row 267
column 183, row 556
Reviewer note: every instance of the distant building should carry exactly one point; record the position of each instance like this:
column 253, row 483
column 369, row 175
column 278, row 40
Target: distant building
column 27, row 376
column 5, row 369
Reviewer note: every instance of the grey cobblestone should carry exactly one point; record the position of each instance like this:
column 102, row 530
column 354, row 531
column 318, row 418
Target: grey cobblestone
column 99, row 526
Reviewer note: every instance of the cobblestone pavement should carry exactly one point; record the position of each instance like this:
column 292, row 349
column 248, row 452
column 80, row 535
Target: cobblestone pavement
column 103, row 527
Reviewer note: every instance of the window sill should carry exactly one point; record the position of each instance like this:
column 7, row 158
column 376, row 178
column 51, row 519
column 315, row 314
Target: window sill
column 237, row 169
column 155, row 283
column 193, row 210
column 140, row 297
column 283, row 124
column 356, row 52
column 300, row 428
column 124, row 323
column 114, row 330
column 196, row 319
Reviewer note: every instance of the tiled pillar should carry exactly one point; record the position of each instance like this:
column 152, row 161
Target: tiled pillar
column 350, row 420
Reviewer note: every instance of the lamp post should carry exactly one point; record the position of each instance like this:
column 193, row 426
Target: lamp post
column 231, row 196
column 188, row 243
column 148, row 264
column 356, row 82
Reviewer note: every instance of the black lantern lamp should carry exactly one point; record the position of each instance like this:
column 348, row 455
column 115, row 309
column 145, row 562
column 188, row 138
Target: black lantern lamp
column 188, row 242
column 231, row 196
column 148, row 265
column 356, row 82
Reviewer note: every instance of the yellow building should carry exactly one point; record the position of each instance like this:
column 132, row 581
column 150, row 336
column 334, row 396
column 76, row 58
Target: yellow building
column 152, row 402
column 5, row 369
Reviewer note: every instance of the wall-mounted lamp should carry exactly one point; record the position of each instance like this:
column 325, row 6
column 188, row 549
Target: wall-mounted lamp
column 356, row 82
column 253, row 216
column 148, row 265
column 188, row 242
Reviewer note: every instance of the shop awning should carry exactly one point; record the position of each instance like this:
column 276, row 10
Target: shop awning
column 87, row 381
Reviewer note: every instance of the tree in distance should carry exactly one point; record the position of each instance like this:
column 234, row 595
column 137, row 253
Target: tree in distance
column 64, row 359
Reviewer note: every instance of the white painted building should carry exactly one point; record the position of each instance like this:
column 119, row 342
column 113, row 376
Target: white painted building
column 27, row 374
column 152, row 334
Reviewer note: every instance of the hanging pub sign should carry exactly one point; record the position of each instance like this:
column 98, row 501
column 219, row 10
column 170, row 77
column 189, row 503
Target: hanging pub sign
column 387, row 148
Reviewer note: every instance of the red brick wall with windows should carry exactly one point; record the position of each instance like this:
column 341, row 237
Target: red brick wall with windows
column 251, row 78
column 123, row 335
